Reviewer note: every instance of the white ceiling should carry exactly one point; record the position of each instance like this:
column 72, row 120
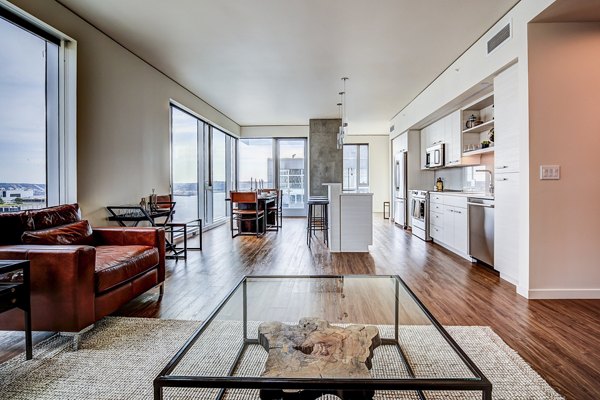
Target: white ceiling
column 279, row 62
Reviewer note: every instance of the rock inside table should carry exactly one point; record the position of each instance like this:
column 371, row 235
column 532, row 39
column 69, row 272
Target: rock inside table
column 315, row 349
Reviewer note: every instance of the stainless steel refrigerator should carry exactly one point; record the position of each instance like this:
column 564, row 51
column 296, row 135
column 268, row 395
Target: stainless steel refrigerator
column 400, row 189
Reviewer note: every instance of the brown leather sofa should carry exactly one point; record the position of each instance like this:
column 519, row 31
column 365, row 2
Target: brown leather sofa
column 73, row 286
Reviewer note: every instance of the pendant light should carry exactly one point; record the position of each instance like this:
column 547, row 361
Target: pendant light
column 343, row 116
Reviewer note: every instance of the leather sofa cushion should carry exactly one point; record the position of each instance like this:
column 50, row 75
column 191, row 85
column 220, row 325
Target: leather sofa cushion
column 75, row 233
column 52, row 216
column 12, row 225
column 118, row 264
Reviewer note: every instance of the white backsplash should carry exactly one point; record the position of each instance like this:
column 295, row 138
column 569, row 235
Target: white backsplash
column 468, row 179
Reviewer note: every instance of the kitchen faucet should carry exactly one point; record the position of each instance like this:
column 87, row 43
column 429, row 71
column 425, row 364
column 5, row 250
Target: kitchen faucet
column 491, row 188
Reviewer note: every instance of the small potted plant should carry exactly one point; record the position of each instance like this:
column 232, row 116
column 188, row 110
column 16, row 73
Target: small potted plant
column 485, row 144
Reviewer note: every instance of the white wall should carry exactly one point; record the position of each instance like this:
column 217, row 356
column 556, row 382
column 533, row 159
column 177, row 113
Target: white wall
column 269, row 131
column 379, row 166
column 123, row 139
column 564, row 94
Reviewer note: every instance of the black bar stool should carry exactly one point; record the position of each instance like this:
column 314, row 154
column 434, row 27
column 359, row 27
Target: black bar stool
column 317, row 218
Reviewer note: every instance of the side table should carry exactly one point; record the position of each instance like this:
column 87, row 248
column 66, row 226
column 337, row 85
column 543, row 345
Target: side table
column 15, row 293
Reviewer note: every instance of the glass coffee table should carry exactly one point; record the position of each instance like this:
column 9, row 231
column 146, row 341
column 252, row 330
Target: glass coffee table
column 413, row 357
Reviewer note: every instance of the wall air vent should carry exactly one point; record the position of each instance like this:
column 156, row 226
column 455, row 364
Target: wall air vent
column 502, row 36
column 392, row 128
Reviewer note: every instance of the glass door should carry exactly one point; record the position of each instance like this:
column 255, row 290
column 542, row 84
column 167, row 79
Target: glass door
column 291, row 164
column 187, row 153
column 217, row 181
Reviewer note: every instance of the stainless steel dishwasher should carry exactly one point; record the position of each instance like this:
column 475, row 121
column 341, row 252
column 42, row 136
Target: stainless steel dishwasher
column 481, row 230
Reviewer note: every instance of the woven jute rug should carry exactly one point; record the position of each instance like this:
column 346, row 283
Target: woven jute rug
column 120, row 357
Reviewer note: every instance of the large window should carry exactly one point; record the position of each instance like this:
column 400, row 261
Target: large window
column 186, row 154
column 29, row 115
column 356, row 167
column 203, row 165
column 275, row 163
column 292, row 180
column 256, row 163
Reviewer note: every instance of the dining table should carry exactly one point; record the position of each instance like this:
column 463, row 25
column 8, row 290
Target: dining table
column 265, row 199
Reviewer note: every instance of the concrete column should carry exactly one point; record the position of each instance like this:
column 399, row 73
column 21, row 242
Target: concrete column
column 326, row 161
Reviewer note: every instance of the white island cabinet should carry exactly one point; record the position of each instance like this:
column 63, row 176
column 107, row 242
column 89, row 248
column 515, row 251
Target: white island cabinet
column 350, row 220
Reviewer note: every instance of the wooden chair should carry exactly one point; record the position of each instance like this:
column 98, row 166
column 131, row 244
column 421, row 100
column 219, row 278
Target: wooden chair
column 244, row 209
column 275, row 209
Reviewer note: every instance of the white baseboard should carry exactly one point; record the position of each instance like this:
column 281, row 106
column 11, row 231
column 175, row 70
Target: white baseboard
column 540, row 294
column 509, row 279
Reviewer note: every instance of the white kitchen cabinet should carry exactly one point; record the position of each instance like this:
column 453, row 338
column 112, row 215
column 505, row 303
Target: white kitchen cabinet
column 448, row 222
column 437, row 134
column 506, row 226
column 453, row 139
column 506, row 111
column 461, row 231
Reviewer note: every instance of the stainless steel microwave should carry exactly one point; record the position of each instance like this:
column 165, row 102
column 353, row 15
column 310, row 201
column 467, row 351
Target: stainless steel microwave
column 435, row 156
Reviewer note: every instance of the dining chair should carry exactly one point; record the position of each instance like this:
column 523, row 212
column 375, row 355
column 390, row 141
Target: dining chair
column 274, row 209
column 244, row 209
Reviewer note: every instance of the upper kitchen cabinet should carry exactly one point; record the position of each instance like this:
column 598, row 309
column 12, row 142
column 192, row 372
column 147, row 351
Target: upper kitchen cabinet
column 507, row 142
column 446, row 131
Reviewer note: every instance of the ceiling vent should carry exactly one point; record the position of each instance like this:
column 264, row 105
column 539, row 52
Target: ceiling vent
column 392, row 128
column 502, row 36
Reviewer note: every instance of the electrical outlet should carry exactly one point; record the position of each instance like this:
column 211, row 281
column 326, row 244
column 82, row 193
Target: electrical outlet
column 549, row 172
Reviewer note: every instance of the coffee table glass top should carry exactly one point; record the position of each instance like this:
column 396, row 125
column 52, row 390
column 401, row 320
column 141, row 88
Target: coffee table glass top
column 414, row 347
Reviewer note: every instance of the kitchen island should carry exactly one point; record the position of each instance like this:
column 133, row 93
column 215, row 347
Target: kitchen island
column 350, row 219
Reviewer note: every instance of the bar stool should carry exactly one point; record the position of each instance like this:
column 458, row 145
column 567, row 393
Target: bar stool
column 317, row 218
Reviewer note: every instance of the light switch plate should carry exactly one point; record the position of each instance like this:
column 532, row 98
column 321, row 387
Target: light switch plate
column 549, row 172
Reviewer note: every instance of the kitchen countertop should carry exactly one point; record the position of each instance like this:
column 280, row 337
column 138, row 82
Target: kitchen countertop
column 477, row 195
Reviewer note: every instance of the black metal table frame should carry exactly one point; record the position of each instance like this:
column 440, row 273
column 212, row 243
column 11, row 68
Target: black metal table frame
column 24, row 299
column 164, row 379
column 143, row 215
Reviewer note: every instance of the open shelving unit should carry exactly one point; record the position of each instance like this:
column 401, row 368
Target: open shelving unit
column 483, row 109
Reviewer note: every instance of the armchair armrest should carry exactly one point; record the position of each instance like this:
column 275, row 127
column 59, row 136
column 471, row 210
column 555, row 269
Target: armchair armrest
column 62, row 287
column 120, row 236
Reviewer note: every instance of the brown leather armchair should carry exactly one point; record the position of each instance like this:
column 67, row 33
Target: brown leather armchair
column 73, row 286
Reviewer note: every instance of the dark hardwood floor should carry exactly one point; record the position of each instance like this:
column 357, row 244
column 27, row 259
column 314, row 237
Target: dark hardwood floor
column 560, row 339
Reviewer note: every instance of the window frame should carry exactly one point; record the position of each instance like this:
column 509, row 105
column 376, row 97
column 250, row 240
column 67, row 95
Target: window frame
column 205, row 132
column 358, row 160
column 61, row 143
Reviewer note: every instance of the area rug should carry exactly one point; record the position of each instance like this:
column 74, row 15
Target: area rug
column 120, row 357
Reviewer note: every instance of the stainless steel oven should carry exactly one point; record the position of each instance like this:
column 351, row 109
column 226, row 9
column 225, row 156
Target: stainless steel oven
column 419, row 212
column 435, row 156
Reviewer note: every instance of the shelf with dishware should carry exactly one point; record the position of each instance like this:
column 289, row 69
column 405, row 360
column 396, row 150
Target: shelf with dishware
column 482, row 127
column 476, row 151
column 478, row 126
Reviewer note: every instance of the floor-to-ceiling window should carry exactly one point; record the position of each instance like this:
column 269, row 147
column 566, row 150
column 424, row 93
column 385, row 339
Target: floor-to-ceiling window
column 356, row 167
column 186, row 154
column 292, row 180
column 218, row 174
column 275, row 163
column 203, row 168
column 29, row 115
